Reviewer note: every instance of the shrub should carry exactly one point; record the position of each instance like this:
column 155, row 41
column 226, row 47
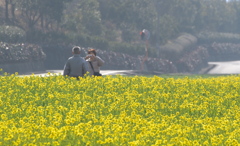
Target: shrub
column 194, row 60
column 38, row 36
column 15, row 53
column 85, row 41
column 132, row 49
column 210, row 37
column 99, row 42
column 12, row 34
column 175, row 49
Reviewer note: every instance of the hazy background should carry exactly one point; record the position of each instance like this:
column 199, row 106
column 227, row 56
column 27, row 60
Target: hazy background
column 110, row 21
column 114, row 26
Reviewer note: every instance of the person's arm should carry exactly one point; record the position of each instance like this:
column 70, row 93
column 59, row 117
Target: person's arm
column 100, row 61
column 85, row 67
column 66, row 70
column 88, row 57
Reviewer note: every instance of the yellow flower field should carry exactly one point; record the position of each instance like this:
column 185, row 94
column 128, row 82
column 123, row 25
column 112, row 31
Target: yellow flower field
column 113, row 111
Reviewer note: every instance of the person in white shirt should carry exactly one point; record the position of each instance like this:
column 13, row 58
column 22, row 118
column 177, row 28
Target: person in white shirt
column 94, row 62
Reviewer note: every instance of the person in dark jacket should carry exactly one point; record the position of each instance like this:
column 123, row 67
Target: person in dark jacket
column 75, row 66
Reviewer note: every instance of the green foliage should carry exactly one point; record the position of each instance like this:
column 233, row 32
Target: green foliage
column 47, row 37
column 110, row 31
column 130, row 17
column 132, row 49
column 209, row 37
column 167, row 28
column 98, row 23
column 174, row 49
column 235, row 23
column 128, row 35
column 83, row 16
column 12, row 34
column 32, row 11
column 224, row 51
column 52, row 9
column 216, row 15
column 99, row 42
column 194, row 60
column 85, row 41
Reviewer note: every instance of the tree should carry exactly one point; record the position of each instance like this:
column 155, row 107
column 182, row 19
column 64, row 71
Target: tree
column 234, row 5
column 34, row 10
column 6, row 10
column 130, row 17
column 83, row 16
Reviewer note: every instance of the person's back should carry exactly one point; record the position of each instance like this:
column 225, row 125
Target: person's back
column 75, row 66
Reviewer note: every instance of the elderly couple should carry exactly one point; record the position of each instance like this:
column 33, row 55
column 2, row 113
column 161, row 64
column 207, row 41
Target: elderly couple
column 76, row 66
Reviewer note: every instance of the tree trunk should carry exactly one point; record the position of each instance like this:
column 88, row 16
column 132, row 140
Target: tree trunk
column 42, row 21
column 13, row 9
column 6, row 11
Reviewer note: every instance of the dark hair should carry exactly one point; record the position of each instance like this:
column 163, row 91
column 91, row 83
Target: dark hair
column 76, row 49
column 92, row 51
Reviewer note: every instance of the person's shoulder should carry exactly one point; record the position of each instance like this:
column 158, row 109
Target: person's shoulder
column 83, row 60
column 98, row 57
column 70, row 58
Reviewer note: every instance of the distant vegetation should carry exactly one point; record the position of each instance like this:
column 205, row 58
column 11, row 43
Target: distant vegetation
column 185, row 34
column 107, row 24
column 12, row 34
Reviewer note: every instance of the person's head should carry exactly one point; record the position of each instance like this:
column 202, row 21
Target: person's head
column 76, row 50
column 92, row 51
